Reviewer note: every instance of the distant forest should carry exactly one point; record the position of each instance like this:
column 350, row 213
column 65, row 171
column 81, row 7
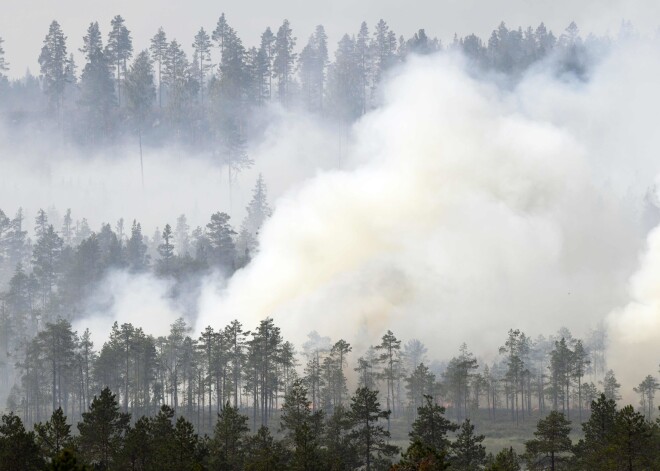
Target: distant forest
column 214, row 101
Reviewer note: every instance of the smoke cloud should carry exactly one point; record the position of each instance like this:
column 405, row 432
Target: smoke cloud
column 467, row 209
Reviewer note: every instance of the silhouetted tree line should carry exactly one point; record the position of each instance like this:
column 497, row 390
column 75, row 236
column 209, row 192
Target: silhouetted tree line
column 213, row 99
column 349, row 437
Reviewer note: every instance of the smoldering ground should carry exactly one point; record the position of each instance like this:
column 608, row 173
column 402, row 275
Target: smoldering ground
column 471, row 209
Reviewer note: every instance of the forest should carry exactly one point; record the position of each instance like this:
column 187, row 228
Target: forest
column 242, row 396
column 214, row 101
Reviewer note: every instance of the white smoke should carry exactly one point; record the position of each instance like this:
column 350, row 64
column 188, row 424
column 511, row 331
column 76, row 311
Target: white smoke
column 138, row 299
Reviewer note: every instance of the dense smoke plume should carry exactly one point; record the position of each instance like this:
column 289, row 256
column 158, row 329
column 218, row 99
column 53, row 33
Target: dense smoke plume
column 467, row 210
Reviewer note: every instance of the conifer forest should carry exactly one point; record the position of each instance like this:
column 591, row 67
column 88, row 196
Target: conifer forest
column 353, row 250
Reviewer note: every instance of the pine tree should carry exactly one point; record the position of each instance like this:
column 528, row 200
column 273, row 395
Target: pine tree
column 561, row 368
column 595, row 450
column 102, row 430
column 431, row 427
column 46, row 263
column 202, row 59
column 283, row 61
column 364, row 52
column 97, row 88
column 265, row 64
column 16, row 246
column 370, row 439
column 345, row 82
column 505, row 460
column 551, row 440
column 313, row 61
column 158, row 50
column 18, row 448
column 468, row 453
column 67, row 228
column 258, row 210
column 458, row 374
column 632, row 440
column 119, row 50
column 580, row 363
column 611, row 387
column 4, row 65
column 340, row 452
column 229, row 439
column 187, row 451
column 54, row 435
column 54, row 65
column 235, row 337
column 67, row 460
column 420, row 383
column 302, row 427
column 140, row 89
column 385, row 49
column 646, row 391
column 166, row 251
column 40, row 223
column 136, row 249
column 264, row 453
column 418, row 457
column 516, row 348
column 181, row 84
column 390, row 357
column 221, row 235
column 220, row 33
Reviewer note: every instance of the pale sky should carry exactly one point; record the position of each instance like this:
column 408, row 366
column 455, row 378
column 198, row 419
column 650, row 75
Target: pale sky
column 24, row 23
